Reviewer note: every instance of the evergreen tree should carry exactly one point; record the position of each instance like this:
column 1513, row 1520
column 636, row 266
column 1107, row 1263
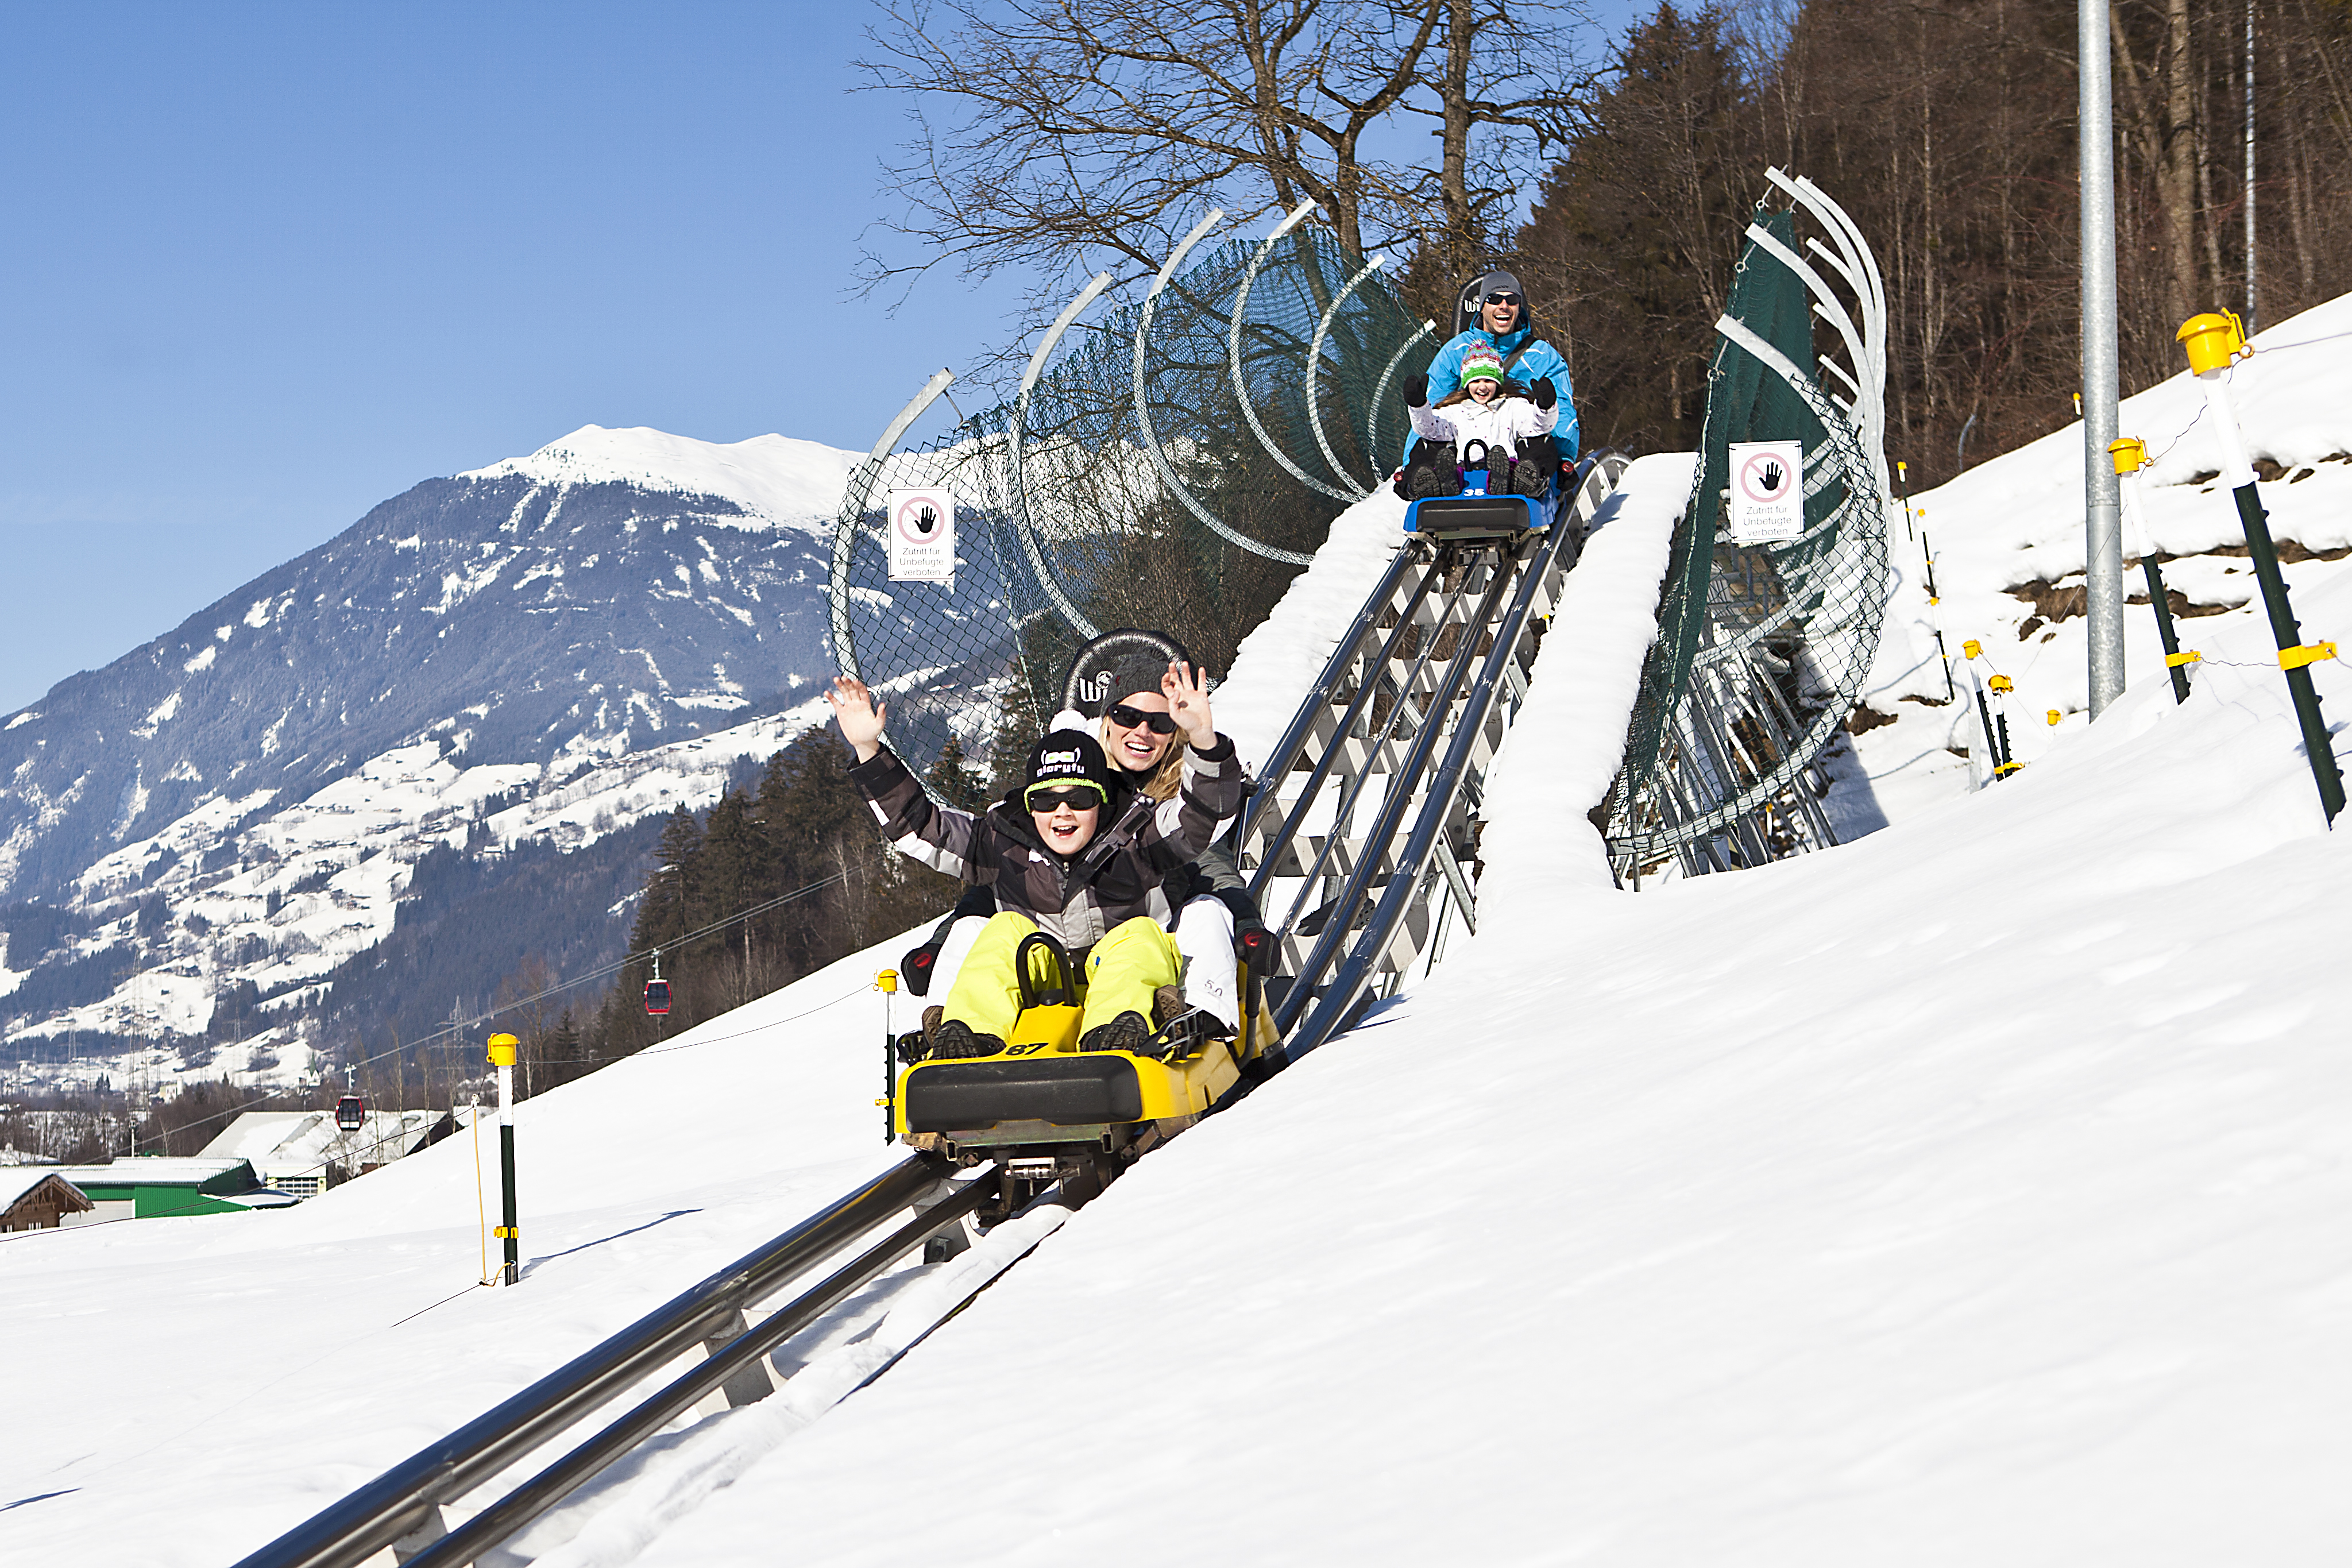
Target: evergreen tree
column 954, row 780
column 1629, row 251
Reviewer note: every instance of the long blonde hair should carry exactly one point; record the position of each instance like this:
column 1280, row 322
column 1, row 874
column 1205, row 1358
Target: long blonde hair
column 1163, row 780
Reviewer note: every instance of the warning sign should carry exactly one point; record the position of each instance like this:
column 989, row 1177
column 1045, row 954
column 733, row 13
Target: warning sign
column 922, row 536
column 1768, row 492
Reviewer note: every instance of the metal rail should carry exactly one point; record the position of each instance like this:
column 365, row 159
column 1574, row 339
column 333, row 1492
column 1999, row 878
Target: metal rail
column 1439, row 828
column 401, row 1507
column 1398, row 732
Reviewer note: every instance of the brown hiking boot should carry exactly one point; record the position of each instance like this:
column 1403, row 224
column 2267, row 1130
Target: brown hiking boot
column 1168, row 1004
column 931, row 1016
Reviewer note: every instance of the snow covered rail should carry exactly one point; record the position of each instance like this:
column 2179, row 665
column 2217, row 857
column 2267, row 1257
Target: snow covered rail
column 1360, row 844
column 402, row 1509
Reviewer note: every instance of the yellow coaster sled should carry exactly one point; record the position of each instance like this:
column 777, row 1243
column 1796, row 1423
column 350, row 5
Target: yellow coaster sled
column 1047, row 1110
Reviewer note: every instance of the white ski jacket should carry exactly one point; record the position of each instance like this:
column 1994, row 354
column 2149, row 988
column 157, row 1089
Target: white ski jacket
column 1502, row 423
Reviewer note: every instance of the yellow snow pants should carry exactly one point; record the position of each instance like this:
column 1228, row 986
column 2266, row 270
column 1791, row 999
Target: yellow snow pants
column 1135, row 958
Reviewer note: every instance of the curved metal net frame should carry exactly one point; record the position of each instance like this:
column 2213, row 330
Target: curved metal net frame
column 1174, row 469
column 1763, row 649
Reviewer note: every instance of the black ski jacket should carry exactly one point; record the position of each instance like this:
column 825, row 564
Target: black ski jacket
column 1077, row 898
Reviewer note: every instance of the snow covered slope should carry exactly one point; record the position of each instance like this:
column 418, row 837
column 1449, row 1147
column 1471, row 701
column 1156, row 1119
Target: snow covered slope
column 2008, row 537
column 1970, row 1193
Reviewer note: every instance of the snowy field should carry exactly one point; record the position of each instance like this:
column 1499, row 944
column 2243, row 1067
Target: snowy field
column 2008, row 539
column 1970, row 1193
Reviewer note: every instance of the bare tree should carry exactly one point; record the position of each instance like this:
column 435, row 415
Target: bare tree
column 1061, row 137
column 2164, row 131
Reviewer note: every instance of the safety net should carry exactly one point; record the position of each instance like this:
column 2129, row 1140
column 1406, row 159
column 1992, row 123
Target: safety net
column 1762, row 648
column 1173, row 468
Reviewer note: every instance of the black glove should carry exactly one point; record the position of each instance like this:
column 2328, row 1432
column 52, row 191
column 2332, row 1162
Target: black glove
column 1546, row 393
column 1416, row 390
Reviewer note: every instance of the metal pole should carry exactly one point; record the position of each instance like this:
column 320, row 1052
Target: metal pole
column 1234, row 352
column 1024, row 526
column 2251, row 327
column 502, row 1057
column 2102, row 560
column 886, row 981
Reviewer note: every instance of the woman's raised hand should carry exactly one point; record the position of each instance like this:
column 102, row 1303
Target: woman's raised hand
column 861, row 719
column 1187, row 702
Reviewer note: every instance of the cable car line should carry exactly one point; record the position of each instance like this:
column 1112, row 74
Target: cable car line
column 599, row 973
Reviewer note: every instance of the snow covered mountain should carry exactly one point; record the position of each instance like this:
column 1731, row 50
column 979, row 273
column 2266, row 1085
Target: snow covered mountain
column 543, row 651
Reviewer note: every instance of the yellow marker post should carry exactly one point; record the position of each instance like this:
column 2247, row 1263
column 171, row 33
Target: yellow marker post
column 2214, row 341
column 2130, row 454
column 1927, row 559
column 887, row 982
column 1994, row 724
column 502, row 1057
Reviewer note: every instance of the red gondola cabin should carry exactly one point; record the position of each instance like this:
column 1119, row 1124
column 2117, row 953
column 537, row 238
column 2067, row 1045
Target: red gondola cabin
column 657, row 997
column 350, row 1113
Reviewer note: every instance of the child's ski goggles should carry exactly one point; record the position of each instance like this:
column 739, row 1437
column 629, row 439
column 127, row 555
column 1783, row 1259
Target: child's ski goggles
column 1053, row 798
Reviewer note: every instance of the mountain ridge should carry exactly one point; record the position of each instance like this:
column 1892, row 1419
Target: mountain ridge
column 545, row 650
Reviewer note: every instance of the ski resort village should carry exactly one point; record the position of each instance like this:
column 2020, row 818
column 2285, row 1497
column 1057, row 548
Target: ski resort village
column 1576, row 798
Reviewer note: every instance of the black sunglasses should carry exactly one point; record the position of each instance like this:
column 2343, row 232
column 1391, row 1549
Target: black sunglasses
column 1083, row 797
column 1511, row 299
column 1128, row 718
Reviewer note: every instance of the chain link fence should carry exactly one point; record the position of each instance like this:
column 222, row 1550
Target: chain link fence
column 1178, row 463
column 1762, row 648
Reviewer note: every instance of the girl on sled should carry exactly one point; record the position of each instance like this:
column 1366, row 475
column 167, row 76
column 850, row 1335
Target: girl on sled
column 1514, row 423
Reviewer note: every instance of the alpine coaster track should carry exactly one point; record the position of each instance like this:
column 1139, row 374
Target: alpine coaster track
column 1361, row 842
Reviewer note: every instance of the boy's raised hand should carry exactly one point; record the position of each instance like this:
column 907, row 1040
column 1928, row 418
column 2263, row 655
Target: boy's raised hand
column 1187, row 702
column 860, row 718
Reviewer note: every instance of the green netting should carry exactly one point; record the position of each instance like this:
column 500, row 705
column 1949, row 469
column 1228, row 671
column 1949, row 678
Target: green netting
column 1761, row 649
column 1134, row 486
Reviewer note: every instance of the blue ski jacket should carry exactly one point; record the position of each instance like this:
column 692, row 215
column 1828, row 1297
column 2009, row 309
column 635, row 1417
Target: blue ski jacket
column 1541, row 359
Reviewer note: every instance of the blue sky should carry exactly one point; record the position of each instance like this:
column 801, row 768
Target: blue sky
column 267, row 266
